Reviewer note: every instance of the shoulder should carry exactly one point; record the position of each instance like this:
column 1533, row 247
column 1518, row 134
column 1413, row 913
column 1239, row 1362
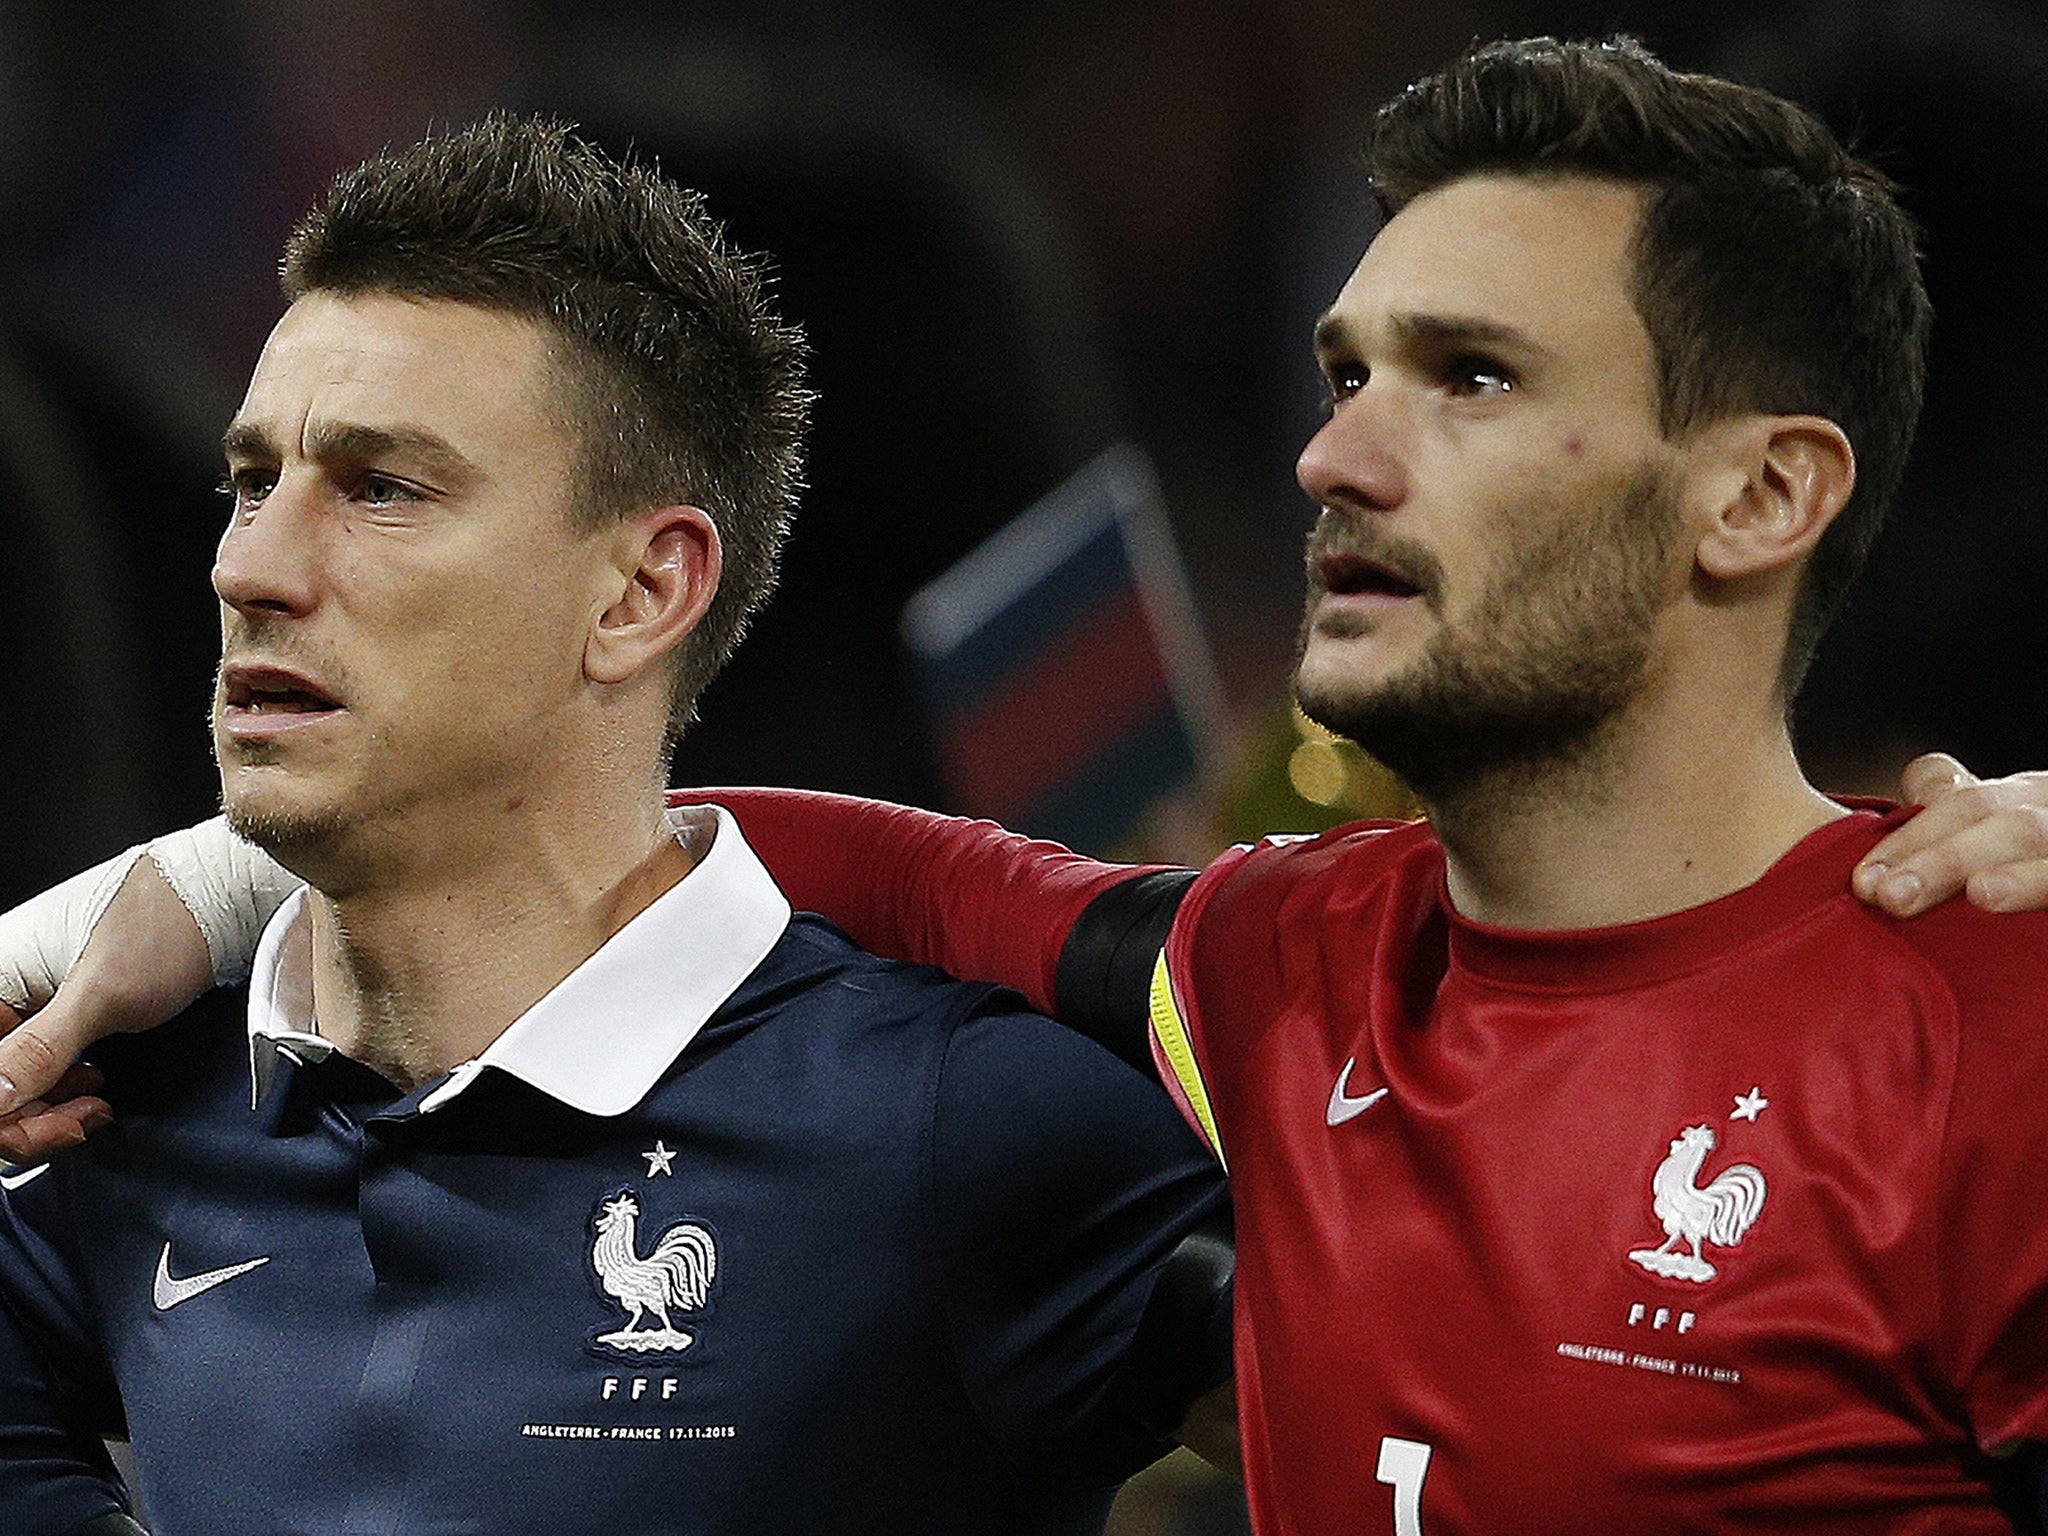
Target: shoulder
column 1993, row 966
column 1264, row 905
column 1957, row 985
column 1981, row 979
column 816, row 968
column 987, row 1038
column 909, row 1036
column 1002, row 1099
column 1284, row 870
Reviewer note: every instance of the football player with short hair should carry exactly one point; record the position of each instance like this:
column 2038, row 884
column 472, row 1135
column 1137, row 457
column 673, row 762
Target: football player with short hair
column 1600, row 1163
column 551, row 1174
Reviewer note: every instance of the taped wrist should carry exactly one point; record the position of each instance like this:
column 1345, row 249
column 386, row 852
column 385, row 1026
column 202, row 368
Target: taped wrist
column 230, row 887
column 40, row 940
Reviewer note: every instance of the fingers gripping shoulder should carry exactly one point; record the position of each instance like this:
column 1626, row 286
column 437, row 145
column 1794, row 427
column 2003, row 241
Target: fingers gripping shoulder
column 229, row 886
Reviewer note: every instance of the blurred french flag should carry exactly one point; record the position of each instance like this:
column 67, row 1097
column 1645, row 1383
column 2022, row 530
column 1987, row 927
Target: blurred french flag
column 1062, row 666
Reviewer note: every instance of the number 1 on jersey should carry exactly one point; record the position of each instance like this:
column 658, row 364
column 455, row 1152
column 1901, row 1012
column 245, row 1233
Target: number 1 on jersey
column 1403, row 1465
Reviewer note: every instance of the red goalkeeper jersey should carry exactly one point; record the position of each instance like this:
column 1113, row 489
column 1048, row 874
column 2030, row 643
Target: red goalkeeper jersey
column 1733, row 1220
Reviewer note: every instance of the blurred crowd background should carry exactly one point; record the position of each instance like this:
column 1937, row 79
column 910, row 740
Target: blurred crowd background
column 1017, row 233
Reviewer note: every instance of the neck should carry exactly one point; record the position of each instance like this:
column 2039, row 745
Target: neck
column 1644, row 822
column 418, row 972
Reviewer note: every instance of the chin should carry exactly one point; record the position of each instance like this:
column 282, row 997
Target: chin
column 285, row 825
column 1341, row 675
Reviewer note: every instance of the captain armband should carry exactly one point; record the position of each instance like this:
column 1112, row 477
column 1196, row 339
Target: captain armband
column 1104, row 983
column 40, row 940
column 231, row 887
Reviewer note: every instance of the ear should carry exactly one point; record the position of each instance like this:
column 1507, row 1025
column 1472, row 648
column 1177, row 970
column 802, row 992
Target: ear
column 1792, row 476
column 665, row 569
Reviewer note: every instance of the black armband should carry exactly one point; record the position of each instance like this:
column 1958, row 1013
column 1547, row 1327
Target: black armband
column 1181, row 1348
column 1103, row 986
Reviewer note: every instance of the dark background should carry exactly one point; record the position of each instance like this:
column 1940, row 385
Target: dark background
column 1016, row 233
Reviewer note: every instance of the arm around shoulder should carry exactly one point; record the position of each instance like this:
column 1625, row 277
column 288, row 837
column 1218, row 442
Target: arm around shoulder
column 1084, row 1233
column 970, row 897
column 121, row 948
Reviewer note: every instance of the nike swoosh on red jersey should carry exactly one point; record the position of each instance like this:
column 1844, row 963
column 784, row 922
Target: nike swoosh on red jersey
column 171, row 1291
column 1342, row 1106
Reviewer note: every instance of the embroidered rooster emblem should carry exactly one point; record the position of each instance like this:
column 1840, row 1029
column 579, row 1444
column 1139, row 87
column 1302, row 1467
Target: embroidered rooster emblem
column 676, row 1276
column 1719, row 1214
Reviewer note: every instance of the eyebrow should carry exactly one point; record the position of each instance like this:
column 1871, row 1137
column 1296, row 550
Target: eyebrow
column 352, row 443
column 1438, row 332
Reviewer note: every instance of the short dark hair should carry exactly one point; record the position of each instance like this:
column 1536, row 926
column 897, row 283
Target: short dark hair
column 682, row 382
column 1773, row 270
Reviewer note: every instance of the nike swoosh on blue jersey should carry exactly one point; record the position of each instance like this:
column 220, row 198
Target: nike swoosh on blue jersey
column 171, row 1291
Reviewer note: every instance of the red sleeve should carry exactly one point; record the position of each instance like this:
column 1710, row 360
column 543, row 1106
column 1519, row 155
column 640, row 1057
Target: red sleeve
column 967, row 896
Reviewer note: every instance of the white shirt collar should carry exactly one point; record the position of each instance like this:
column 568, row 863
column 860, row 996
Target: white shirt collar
column 605, row 1033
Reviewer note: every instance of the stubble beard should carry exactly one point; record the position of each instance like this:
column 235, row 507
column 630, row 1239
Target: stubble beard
column 1529, row 686
column 288, row 836
column 294, row 836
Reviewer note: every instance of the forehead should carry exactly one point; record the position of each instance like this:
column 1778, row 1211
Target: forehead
column 476, row 378
column 1550, row 257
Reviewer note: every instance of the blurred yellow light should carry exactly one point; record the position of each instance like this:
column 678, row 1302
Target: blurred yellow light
column 1318, row 773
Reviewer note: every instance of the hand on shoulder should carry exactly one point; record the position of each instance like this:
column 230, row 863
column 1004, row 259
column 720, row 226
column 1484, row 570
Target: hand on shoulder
column 1986, row 838
column 145, row 962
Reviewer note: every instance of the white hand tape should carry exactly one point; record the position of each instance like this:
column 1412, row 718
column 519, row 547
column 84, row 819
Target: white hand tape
column 229, row 886
column 40, row 940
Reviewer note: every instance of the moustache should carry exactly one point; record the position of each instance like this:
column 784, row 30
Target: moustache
column 1350, row 554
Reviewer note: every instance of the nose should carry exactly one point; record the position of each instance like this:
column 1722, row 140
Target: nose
column 1354, row 460
column 265, row 563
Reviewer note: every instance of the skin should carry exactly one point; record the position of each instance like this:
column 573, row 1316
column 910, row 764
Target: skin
column 1380, row 457
column 1490, row 385
column 1394, row 434
column 1494, row 392
column 439, row 703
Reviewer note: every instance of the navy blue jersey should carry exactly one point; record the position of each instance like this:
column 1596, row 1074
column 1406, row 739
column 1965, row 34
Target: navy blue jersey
column 866, row 1257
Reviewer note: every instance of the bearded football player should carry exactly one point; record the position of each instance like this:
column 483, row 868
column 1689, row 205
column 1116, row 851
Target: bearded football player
column 1600, row 1163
